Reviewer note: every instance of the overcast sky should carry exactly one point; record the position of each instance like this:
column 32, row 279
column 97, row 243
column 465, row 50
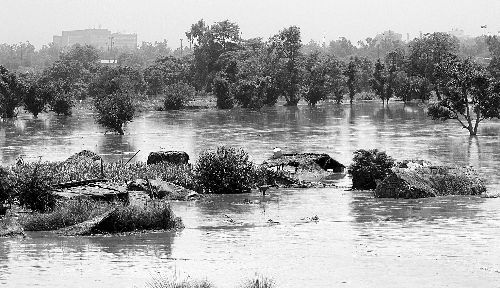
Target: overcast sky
column 154, row 20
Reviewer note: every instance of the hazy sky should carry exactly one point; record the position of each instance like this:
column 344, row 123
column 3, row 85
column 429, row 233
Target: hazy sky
column 154, row 20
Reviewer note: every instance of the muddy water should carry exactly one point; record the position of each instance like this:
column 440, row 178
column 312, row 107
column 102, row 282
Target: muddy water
column 358, row 241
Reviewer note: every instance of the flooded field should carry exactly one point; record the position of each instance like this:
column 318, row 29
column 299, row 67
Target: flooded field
column 358, row 241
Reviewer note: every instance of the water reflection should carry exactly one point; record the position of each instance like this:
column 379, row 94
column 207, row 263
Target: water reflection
column 365, row 208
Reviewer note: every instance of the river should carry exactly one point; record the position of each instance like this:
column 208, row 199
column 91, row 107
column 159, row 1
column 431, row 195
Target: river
column 358, row 241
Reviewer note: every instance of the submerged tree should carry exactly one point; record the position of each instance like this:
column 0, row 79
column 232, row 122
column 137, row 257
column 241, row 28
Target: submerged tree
column 469, row 96
column 351, row 72
column 287, row 48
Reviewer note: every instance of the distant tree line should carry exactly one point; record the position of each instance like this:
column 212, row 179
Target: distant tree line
column 253, row 73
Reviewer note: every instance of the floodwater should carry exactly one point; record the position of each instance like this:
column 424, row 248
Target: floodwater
column 358, row 241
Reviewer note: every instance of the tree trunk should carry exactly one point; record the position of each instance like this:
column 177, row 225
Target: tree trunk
column 438, row 94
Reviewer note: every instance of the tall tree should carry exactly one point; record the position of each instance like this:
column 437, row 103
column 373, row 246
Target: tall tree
column 209, row 44
column 351, row 72
column 287, row 48
column 427, row 53
column 379, row 80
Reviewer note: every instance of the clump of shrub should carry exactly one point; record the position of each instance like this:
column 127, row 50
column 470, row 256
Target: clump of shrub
column 33, row 185
column 172, row 282
column 64, row 214
column 225, row 170
column 177, row 96
column 6, row 186
column 259, row 282
column 154, row 215
column 114, row 110
column 369, row 166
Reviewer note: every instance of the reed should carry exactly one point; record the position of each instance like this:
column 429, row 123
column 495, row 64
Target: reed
column 153, row 216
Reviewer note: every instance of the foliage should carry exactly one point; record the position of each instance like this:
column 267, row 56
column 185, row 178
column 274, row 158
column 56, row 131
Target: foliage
column 122, row 79
column 209, row 43
column 73, row 72
column 7, row 184
column 351, row 72
column 251, row 73
column 10, row 93
column 225, row 170
column 427, row 53
column 34, row 189
column 411, row 88
column 164, row 72
column 61, row 103
column 221, row 91
column 35, row 96
column 469, row 95
column 286, row 46
column 369, row 166
column 64, row 214
column 251, row 93
column 177, row 95
column 114, row 110
column 493, row 43
column 323, row 76
column 154, row 215
column 458, row 181
column 379, row 80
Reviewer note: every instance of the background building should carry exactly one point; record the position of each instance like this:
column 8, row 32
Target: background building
column 99, row 38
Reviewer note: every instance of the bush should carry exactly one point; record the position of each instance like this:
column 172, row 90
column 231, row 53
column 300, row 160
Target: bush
column 221, row 91
column 114, row 110
column 225, row 170
column 34, row 188
column 64, row 214
column 369, row 166
column 6, row 186
column 177, row 96
column 155, row 215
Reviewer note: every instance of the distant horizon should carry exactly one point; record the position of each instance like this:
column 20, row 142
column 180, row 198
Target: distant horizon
column 38, row 21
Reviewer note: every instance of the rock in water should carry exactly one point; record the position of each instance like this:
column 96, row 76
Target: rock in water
column 174, row 157
column 430, row 181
